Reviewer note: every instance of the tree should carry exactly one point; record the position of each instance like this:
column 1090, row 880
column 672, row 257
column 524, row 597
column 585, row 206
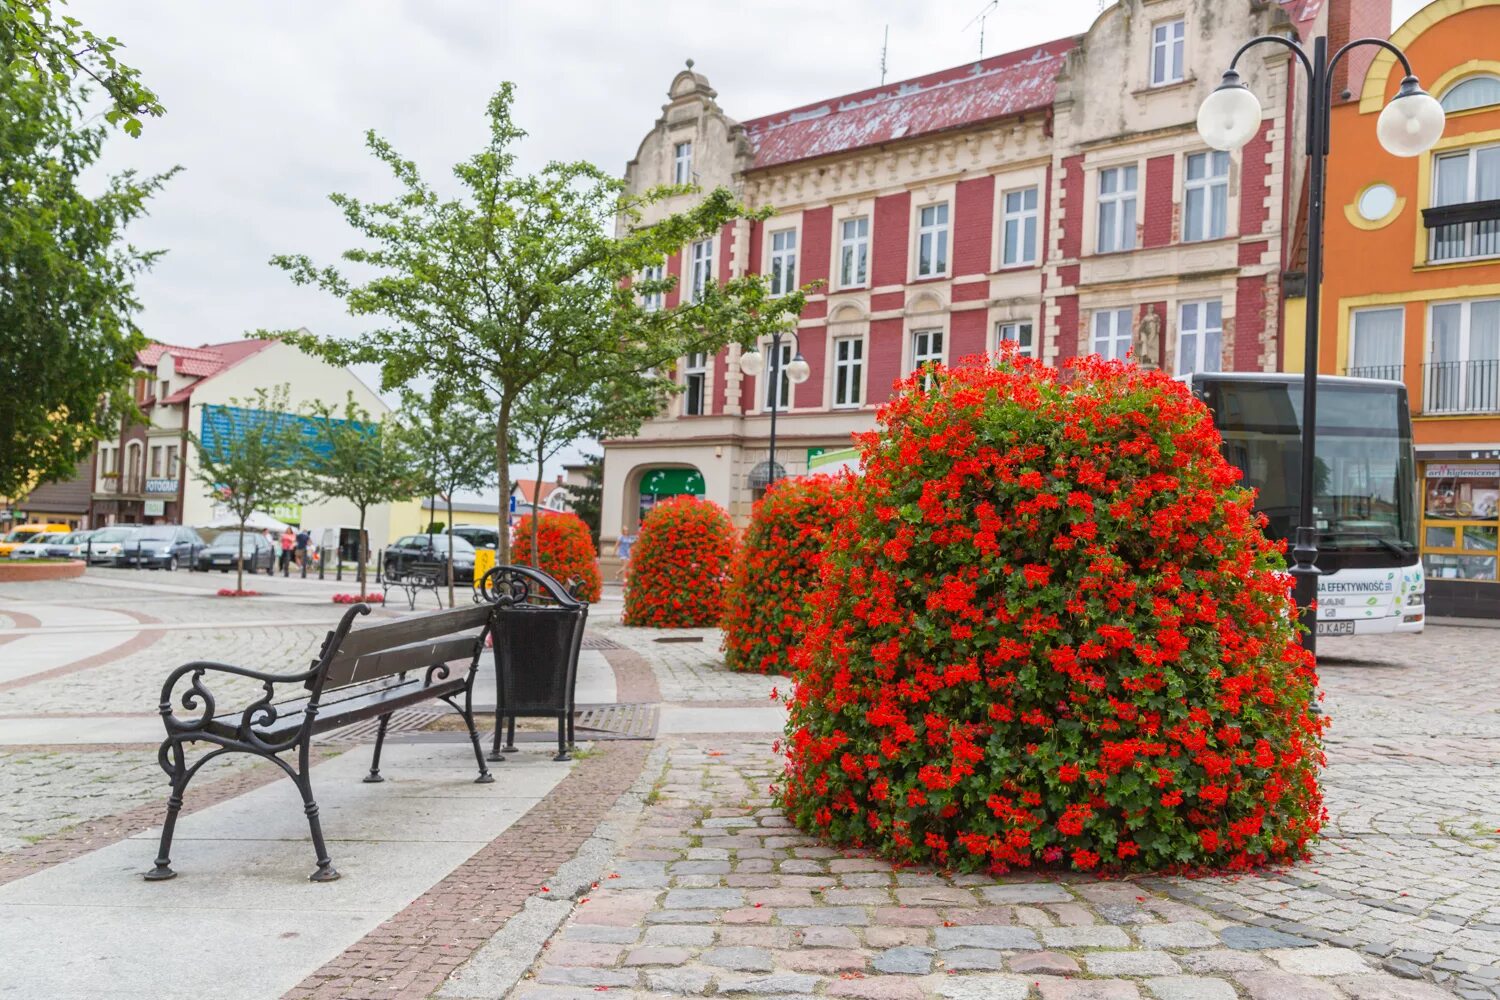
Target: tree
column 364, row 461
column 587, row 498
column 451, row 445
column 523, row 277
column 68, row 337
column 257, row 465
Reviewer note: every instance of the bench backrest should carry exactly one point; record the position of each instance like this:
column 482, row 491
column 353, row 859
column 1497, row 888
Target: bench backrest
column 410, row 643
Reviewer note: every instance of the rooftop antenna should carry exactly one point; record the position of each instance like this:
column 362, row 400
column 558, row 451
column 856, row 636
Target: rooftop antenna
column 979, row 19
column 884, row 46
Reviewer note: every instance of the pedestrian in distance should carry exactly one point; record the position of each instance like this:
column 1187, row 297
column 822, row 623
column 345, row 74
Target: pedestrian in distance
column 304, row 538
column 288, row 542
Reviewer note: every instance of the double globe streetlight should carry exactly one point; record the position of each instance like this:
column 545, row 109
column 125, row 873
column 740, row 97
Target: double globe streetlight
column 752, row 363
column 1409, row 126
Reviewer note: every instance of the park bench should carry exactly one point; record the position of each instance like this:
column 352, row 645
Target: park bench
column 359, row 674
column 418, row 577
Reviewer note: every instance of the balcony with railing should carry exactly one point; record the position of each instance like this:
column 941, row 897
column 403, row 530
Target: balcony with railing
column 1392, row 373
column 1469, row 231
column 1461, row 386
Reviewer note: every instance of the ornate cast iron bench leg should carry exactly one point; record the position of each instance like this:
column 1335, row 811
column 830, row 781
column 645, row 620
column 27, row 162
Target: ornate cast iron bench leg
column 326, row 872
column 374, row 775
column 467, row 711
column 562, row 740
column 179, row 775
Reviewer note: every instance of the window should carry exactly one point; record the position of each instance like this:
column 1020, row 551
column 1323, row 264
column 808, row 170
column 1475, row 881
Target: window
column 682, row 163
column 702, row 268
column 783, row 261
column 171, row 461
column 854, row 252
column 652, row 301
column 1112, row 332
column 1475, row 92
column 848, row 371
column 1200, row 337
column 695, row 381
column 779, row 390
column 926, row 349
column 1166, row 52
column 1375, row 343
column 1117, row 209
column 1463, row 178
column 166, row 390
column 1205, row 208
column 1463, row 358
column 1018, row 228
column 156, row 461
column 1461, row 520
column 932, row 241
column 1018, row 333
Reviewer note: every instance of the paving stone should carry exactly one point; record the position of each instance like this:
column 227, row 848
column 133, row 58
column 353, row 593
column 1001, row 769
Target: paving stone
column 780, row 982
column 605, row 935
column 760, row 936
column 935, row 896
column 704, row 899
column 1004, row 938
column 878, row 988
column 836, row 916
column 1131, row 963
column 677, row 916
column 699, row 868
column 825, row 960
column 905, row 959
column 584, row 953
column 688, row 936
column 908, row 916
column 829, row 937
column 1053, row 988
column 1285, row 986
column 896, row 937
column 1190, row 988
column 1320, row 961
column 1121, row 913
column 1382, row 987
column 1043, row 961
column 1072, row 914
column 781, row 897
column 688, row 981
column 1085, row 937
column 563, row 975
column 856, row 897
column 748, row 915
column 1027, row 892
column 1176, row 935
column 983, row 988
column 1219, row 960
column 1250, row 938
column 657, row 956
column 745, row 958
column 960, row 959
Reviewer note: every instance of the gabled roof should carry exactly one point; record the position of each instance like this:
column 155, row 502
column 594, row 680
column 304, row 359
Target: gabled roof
column 528, row 490
column 200, row 363
column 1304, row 14
column 993, row 88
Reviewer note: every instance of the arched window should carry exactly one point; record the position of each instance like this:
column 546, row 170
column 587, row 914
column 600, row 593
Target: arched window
column 1474, row 92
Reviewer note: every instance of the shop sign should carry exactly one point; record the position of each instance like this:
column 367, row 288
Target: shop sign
column 155, row 508
column 161, row 486
column 1472, row 470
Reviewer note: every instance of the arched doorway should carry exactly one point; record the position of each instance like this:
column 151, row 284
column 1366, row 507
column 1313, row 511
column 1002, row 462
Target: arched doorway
column 651, row 484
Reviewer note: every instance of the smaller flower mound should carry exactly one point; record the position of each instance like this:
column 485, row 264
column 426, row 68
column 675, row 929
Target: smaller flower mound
column 766, row 608
column 231, row 592
column 566, row 553
column 356, row 599
column 679, row 565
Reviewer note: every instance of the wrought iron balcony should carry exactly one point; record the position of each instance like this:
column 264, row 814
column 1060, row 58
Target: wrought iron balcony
column 1461, row 386
column 1393, row 373
column 1463, row 232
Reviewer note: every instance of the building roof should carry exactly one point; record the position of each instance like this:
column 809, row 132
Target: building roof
column 528, row 490
column 997, row 87
column 199, row 363
column 1304, row 15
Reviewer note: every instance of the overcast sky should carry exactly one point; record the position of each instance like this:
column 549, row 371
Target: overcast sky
column 268, row 102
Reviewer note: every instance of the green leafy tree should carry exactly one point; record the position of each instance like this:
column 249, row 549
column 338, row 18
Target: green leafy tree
column 258, row 465
column 68, row 337
column 495, row 293
column 363, row 461
column 587, row 498
column 451, row 445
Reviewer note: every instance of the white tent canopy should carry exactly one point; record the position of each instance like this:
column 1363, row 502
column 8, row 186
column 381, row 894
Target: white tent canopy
column 256, row 522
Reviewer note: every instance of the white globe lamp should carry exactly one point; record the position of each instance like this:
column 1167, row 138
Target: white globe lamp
column 752, row 362
column 1412, row 122
column 1230, row 116
column 798, row 369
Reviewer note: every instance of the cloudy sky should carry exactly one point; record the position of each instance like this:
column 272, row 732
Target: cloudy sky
column 268, row 102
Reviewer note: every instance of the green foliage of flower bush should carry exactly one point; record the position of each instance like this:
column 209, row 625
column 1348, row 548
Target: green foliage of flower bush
column 1051, row 631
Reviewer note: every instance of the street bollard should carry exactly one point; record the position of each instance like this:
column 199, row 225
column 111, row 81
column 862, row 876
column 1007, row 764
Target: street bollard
column 379, row 564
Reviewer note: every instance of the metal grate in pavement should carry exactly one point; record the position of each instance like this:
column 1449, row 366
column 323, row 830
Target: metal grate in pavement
column 405, row 720
column 619, row 722
column 599, row 642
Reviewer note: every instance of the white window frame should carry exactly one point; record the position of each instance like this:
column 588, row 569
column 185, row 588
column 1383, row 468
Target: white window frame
column 787, row 388
column 854, row 250
column 1025, row 219
column 927, row 346
column 937, row 235
column 1200, row 361
column 682, row 163
column 1472, row 230
column 1122, row 235
column 1011, row 330
column 1464, row 383
column 1170, row 39
column 782, row 261
column 850, row 366
column 695, row 372
column 653, row 301
column 1205, row 187
column 1116, row 334
column 701, row 263
column 1354, row 337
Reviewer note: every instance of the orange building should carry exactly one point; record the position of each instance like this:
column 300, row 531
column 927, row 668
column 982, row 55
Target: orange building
column 1412, row 285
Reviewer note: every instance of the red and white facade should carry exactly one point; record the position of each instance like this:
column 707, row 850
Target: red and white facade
column 1058, row 196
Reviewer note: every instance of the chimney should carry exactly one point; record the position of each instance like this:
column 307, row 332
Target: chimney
column 1348, row 20
column 559, row 479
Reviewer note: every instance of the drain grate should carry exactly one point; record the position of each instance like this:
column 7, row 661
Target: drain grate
column 406, row 720
column 599, row 642
column 619, row 722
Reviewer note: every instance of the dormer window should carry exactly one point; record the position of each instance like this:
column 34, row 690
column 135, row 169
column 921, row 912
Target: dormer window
column 1475, row 92
column 1166, row 52
column 682, row 163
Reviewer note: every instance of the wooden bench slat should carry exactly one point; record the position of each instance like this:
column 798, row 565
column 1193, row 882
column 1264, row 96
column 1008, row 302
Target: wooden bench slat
column 365, row 704
column 346, row 669
column 415, row 628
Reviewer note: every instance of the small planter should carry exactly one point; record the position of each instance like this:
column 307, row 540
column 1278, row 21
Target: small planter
column 356, row 599
column 231, row 592
column 52, row 569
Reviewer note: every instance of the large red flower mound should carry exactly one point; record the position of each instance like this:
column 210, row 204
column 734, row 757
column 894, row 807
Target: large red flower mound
column 566, row 553
column 766, row 607
column 679, row 565
column 1050, row 631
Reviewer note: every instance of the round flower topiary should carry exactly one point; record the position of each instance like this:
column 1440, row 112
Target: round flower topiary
column 679, row 564
column 1050, row 630
column 566, row 552
column 766, row 607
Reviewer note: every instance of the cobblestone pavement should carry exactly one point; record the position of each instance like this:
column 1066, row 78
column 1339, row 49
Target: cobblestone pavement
column 690, row 671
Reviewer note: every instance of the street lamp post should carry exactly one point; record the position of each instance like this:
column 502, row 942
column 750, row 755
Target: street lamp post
column 752, row 363
column 1408, row 126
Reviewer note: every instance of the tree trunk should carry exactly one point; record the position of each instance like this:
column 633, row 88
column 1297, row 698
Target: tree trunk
column 449, row 505
column 502, row 463
column 536, row 513
column 239, row 563
column 363, row 555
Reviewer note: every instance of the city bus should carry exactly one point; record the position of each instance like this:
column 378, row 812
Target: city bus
column 1364, row 488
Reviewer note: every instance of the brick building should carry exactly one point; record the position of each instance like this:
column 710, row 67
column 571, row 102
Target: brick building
column 1058, row 196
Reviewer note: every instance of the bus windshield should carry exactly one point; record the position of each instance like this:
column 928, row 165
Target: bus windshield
column 1364, row 482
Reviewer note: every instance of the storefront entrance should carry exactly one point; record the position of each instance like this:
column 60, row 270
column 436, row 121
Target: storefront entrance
column 1461, row 537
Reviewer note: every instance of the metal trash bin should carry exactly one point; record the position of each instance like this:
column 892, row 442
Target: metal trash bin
column 538, row 631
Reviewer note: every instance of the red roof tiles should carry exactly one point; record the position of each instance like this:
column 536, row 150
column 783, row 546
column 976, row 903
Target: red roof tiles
column 199, row 363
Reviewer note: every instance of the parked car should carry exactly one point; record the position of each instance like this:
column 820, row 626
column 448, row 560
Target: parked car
column 221, row 555
column 25, row 532
column 74, row 544
column 161, row 546
column 40, row 545
column 408, row 550
column 478, row 535
column 106, row 543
